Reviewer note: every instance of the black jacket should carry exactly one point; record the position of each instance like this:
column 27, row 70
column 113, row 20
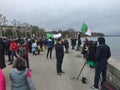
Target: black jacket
column 2, row 55
column 66, row 43
column 103, row 50
column 59, row 50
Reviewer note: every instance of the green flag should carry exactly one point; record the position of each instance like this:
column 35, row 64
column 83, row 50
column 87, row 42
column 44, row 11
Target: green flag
column 85, row 29
column 48, row 35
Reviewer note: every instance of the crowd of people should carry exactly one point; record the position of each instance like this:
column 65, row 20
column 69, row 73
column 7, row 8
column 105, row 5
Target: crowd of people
column 18, row 51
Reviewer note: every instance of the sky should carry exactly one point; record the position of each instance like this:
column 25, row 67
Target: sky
column 100, row 15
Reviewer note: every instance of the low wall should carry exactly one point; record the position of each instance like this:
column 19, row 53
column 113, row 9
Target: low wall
column 113, row 73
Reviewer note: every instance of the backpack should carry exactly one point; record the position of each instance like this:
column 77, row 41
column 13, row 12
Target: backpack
column 22, row 51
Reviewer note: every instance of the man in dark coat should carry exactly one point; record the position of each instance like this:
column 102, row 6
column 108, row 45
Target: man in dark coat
column 66, row 44
column 50, row 45
column 102, row 55
column 59, row 56
column 79, row 42
column 2, row 55
column 73, row 43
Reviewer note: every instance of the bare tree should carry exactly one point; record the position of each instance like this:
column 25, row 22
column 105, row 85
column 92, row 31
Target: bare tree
column 15, row 24
column 2, row 22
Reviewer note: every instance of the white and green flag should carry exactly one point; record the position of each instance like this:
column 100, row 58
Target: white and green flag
column 49, row 35
column 85, row 29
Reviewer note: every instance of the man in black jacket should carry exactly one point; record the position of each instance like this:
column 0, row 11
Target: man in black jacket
column 66, row 44
column 2, row 54
column 59, row 56
column 102, row 55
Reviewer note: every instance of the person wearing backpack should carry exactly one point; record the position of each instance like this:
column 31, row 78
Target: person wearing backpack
column 23, row 51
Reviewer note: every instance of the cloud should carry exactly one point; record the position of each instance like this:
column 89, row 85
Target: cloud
column 100, row 15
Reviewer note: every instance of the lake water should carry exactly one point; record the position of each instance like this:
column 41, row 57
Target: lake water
column 114, row 44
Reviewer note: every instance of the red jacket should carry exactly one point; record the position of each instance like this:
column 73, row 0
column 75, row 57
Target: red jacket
column 13, row 46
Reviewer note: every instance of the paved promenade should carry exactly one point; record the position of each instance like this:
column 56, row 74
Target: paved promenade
column 45, row 77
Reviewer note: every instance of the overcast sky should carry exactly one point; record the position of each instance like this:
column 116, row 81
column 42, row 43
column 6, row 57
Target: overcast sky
column 100, row 15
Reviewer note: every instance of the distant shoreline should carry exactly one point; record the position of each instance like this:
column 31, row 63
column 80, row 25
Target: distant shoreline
column 112, row 35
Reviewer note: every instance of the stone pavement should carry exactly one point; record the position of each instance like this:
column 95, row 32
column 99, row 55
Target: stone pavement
column 45, row 77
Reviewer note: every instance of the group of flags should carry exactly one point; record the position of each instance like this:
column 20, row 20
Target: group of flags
column 84, row 29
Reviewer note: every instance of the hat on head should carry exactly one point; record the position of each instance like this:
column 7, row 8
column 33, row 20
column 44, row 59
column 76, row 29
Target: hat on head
column 22, row 41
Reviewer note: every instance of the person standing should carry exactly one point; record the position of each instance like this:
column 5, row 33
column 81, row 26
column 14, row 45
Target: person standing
column 20, row 76
column 59, row 55
column 34, row 47
column 50, row 45
column 13, row 50
column 79, row 42
column 73, row 43
column 8, row 49
column 66, row 44
column 103, row 53
column 2, row 54
column 29, row 42
column 23, row 50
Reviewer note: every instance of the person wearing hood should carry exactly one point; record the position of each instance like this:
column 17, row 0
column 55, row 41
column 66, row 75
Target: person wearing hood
column 103, row 53
column 20, row 76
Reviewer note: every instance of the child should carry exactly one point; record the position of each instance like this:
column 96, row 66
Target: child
column 20, row 76
column 34, row 47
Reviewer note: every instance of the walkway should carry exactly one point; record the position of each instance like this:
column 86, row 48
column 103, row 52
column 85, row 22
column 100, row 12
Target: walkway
column 45, row 77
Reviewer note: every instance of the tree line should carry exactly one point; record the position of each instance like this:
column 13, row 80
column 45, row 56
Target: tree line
column 17, row 29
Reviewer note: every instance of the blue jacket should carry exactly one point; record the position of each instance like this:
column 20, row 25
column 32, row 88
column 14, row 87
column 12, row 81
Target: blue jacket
column 50, row 43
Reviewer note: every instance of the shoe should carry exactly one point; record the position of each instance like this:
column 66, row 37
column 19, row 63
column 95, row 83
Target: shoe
column 84, row 80
column 93, row 88
column 59, row 74
column 62, row 72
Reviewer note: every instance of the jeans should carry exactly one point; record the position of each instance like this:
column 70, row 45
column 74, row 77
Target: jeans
column 27, row 63
column 13, row 53
column 49, row 50
column 78, row 47
column 73, row 46
column 100, row 68
column 59, row 64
